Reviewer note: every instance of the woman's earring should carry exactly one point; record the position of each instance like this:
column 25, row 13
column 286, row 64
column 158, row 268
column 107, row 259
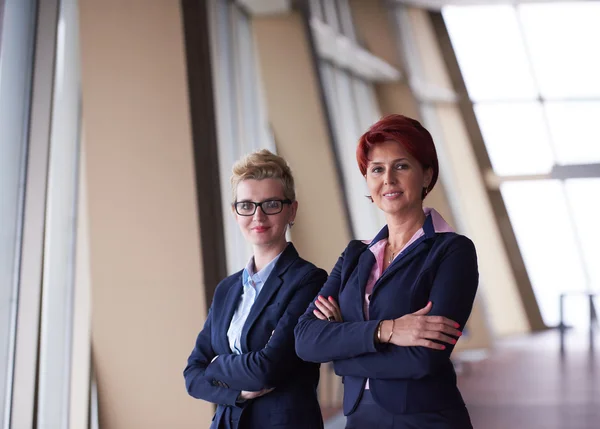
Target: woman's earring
column 370, row 198
column 291, row 224
column 424, row 192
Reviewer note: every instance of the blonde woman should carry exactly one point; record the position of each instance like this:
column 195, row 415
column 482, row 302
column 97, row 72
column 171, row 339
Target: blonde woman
column 244, row 359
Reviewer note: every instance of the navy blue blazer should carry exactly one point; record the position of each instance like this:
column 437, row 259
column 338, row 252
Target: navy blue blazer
column 268, row 359
column 441, row 268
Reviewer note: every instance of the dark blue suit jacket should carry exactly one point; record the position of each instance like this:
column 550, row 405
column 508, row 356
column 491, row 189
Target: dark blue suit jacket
column 437, row 267
column 267, row 361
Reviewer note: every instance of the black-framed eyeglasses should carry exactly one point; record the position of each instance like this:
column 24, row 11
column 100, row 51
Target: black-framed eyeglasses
column 270, row 207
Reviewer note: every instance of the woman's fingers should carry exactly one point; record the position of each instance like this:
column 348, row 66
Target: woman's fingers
column 265, row 391
column 336, row 307
column 440, row 327
column 328, row 308
column 434, row 335
column 441, row 319
column 430, row 344
column 323, row 308
column 424, row 310
column 319, row 315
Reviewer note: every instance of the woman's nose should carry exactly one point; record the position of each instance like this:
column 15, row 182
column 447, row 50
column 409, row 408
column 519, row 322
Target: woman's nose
column 259, row 214
column 389, row 178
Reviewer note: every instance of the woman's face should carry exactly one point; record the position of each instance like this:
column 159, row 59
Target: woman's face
column 261, row 229
column 395, row 179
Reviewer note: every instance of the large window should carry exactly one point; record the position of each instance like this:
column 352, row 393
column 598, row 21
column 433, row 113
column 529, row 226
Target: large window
column 532, row 76
column 348, row 74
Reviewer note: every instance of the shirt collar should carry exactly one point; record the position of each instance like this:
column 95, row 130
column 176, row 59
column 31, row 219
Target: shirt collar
column 263, row 274
column 434, row 224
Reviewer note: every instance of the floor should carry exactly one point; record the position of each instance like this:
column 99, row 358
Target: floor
column 527, row 383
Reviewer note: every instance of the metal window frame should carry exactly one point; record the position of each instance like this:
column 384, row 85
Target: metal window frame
column 58, row 285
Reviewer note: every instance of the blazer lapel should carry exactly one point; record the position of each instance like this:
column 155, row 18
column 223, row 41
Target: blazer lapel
column 268, row 290
column 365, row 266
column 415, row 249
column 231, row 303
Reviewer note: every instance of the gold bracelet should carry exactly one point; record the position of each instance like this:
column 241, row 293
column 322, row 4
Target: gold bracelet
column 392, row 331
column 379, row 331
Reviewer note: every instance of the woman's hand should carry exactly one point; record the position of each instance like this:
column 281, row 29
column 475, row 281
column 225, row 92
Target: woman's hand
column 417, row 329
column 327, row 309
column 245, row 395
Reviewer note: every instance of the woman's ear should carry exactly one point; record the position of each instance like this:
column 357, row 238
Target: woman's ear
column 294, row 210
column 427, row 177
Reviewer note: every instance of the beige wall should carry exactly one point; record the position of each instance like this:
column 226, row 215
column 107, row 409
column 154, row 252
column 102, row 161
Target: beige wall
column 147, row 293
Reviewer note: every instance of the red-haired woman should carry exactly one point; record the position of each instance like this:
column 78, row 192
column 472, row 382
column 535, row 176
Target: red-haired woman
column 392, row 309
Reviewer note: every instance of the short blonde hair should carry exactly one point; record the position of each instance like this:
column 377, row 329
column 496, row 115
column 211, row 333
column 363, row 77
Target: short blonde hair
column 263, row 164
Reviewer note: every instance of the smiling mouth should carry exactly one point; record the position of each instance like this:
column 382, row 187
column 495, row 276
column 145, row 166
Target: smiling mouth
column 392, row 194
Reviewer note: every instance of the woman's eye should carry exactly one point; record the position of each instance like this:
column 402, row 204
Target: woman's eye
column 246, row 206
column 271, row 204
column 377, row 170
column 401, row 166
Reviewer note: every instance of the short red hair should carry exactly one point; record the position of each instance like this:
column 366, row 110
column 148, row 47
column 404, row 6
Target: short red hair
column 406, row 131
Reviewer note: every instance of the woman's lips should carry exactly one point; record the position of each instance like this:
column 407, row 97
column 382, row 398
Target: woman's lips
column 260, row 229
column 392, row 195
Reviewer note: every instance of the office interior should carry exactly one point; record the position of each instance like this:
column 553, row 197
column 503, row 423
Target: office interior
column 120, row 121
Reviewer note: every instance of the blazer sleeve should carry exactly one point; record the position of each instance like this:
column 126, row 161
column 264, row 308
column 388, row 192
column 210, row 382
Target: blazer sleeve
column 452, row 294
column 273, row 364
column 323, row 341
column 197, row 383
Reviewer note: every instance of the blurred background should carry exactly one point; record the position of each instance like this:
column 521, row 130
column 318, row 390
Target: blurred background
column 120, row 121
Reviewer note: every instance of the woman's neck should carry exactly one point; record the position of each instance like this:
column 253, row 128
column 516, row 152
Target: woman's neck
column 266, row 253
column 402, row 227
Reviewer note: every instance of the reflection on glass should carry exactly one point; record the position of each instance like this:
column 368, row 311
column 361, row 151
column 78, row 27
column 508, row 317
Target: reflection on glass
column 563, row 43
column 489, row 47
column 540, row 217
column 515, row 137
column 585, row 205
column 574, row 131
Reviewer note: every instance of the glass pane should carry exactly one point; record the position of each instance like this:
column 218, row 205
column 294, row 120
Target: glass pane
column 540, row 218
column 366, row 104
column 316, row 9
column 364, row 219
column 490, row 51
column 338, row 84
column 250, row 111
column 17, row 29
column 345, row 15
column 331, row 15
column 574, row 131
column 585, row 206
column 562, row 39
column 516, row 137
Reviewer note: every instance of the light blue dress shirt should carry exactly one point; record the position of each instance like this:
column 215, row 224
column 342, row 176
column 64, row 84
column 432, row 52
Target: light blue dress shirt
column 253, row 284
